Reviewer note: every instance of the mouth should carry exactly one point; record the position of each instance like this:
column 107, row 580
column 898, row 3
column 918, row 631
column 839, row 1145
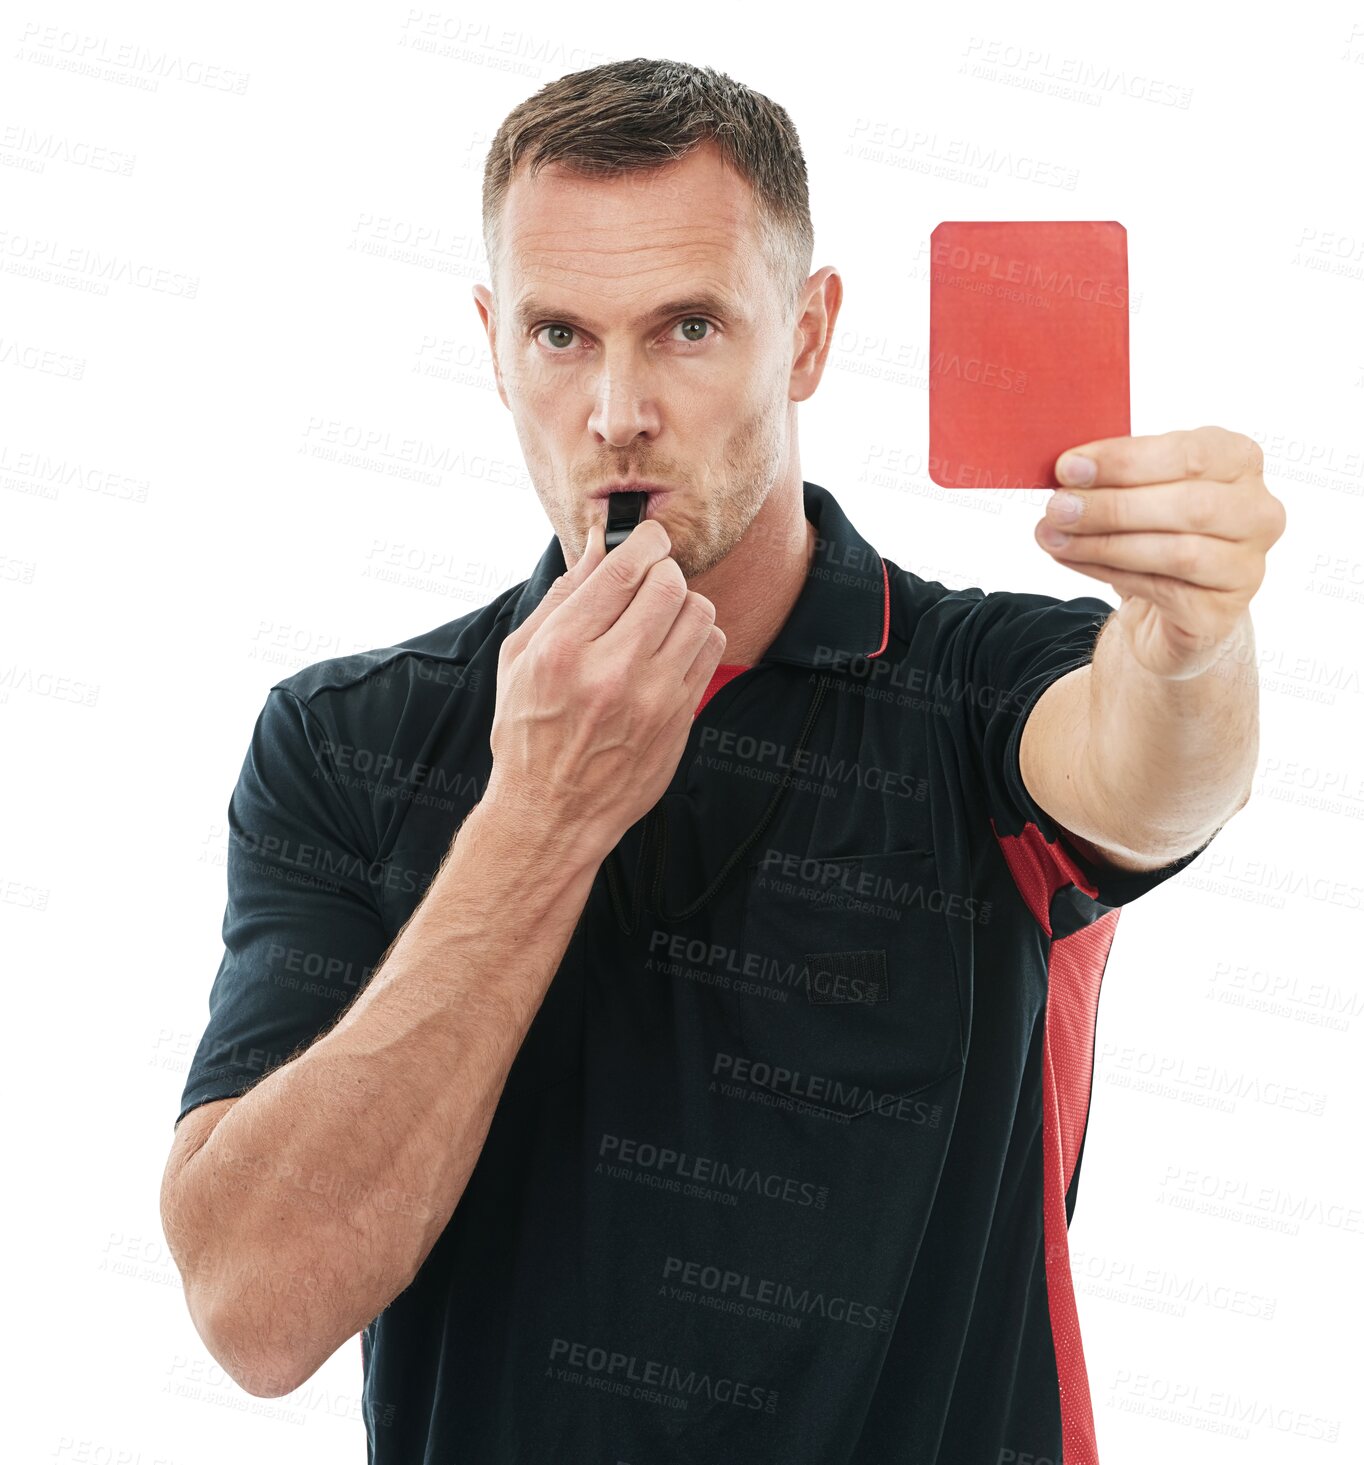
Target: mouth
column 656, row 494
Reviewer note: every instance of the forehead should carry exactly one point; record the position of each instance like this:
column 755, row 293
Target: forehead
column 619, row 238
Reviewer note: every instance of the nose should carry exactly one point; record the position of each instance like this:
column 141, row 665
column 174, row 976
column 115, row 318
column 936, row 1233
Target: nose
column 622, row 409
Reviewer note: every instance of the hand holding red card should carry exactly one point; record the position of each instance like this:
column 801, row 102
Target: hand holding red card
column 1179, row 524
column 1027, row 362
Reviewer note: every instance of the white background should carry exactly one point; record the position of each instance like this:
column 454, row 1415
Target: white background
column 181, row 530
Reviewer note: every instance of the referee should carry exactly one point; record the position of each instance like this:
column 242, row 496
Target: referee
column 657, row 1009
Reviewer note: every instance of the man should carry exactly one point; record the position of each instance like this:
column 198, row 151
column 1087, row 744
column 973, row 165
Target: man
column 658, row 1007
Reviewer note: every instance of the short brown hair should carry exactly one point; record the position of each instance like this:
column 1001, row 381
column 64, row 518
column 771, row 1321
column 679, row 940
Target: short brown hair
column 629, row 116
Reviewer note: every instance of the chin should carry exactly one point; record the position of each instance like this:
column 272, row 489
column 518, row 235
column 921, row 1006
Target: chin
column 693, row 566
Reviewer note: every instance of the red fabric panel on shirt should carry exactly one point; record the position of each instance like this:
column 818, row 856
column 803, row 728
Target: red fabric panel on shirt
column 1075, row 969
column 723, row 673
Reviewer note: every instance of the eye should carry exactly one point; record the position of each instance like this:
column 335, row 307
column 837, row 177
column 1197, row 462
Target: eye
column 695, row 320
column 556, row 326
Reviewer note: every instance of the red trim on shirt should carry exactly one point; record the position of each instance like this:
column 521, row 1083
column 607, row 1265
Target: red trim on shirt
column 885, row 612
column 726, row 671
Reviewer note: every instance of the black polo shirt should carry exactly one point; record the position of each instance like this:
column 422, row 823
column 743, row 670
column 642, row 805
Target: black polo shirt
column 783, row 1169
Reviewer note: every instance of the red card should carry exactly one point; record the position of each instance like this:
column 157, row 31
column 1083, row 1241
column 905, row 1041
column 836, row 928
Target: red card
column 1027, row 345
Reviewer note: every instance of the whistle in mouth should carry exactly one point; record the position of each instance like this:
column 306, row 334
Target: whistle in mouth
column 623, row 513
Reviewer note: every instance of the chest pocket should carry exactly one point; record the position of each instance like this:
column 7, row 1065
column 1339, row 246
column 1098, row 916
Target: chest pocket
column 853, row 1000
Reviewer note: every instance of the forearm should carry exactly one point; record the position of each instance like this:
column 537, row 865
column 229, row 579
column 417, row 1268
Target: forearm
column 1170, row 760
column 322, row 1190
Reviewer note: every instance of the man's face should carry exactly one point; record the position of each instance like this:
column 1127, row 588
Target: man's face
column 639, row 335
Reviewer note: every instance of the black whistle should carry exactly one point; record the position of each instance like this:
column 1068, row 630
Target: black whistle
column 623, row 513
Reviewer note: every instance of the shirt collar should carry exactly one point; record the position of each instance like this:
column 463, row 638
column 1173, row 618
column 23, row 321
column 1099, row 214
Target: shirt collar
column 842, row 611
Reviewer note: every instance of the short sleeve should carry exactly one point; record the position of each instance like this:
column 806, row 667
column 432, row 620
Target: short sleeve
column 1006, row 650
column 302, row 929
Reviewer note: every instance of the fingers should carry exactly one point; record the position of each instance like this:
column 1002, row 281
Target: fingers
column 708, row 656
column 1188, row 504
column 594, row 552
column 1196, row 559
column 595, row 605
column 648, row 620
column 634, row 604
column 561, row 589
column 1164, row 457
column 1221, row 510
column 689, row 630
column 694, row 682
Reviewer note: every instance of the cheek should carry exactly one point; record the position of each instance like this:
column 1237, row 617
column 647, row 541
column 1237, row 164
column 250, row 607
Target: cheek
column 716, row 399
column 546, row 401
column 555, row 392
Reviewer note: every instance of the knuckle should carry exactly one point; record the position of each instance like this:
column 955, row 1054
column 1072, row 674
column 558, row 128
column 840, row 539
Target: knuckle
column 1197, row 451
column 1253, row 454
column 606, row 685
column 617, row 570
column 665, row 578
column 1200, row 506
column 655, row 530
column 1187, row 558
column 556, row 654
column 1271, row 520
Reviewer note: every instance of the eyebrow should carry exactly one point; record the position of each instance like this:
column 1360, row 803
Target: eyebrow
column 703, row 302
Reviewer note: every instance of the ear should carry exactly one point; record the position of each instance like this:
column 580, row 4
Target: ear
column 483, row 299
column 815, row 331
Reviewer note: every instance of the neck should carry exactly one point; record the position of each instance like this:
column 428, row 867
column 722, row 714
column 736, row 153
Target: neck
column 755, row 586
